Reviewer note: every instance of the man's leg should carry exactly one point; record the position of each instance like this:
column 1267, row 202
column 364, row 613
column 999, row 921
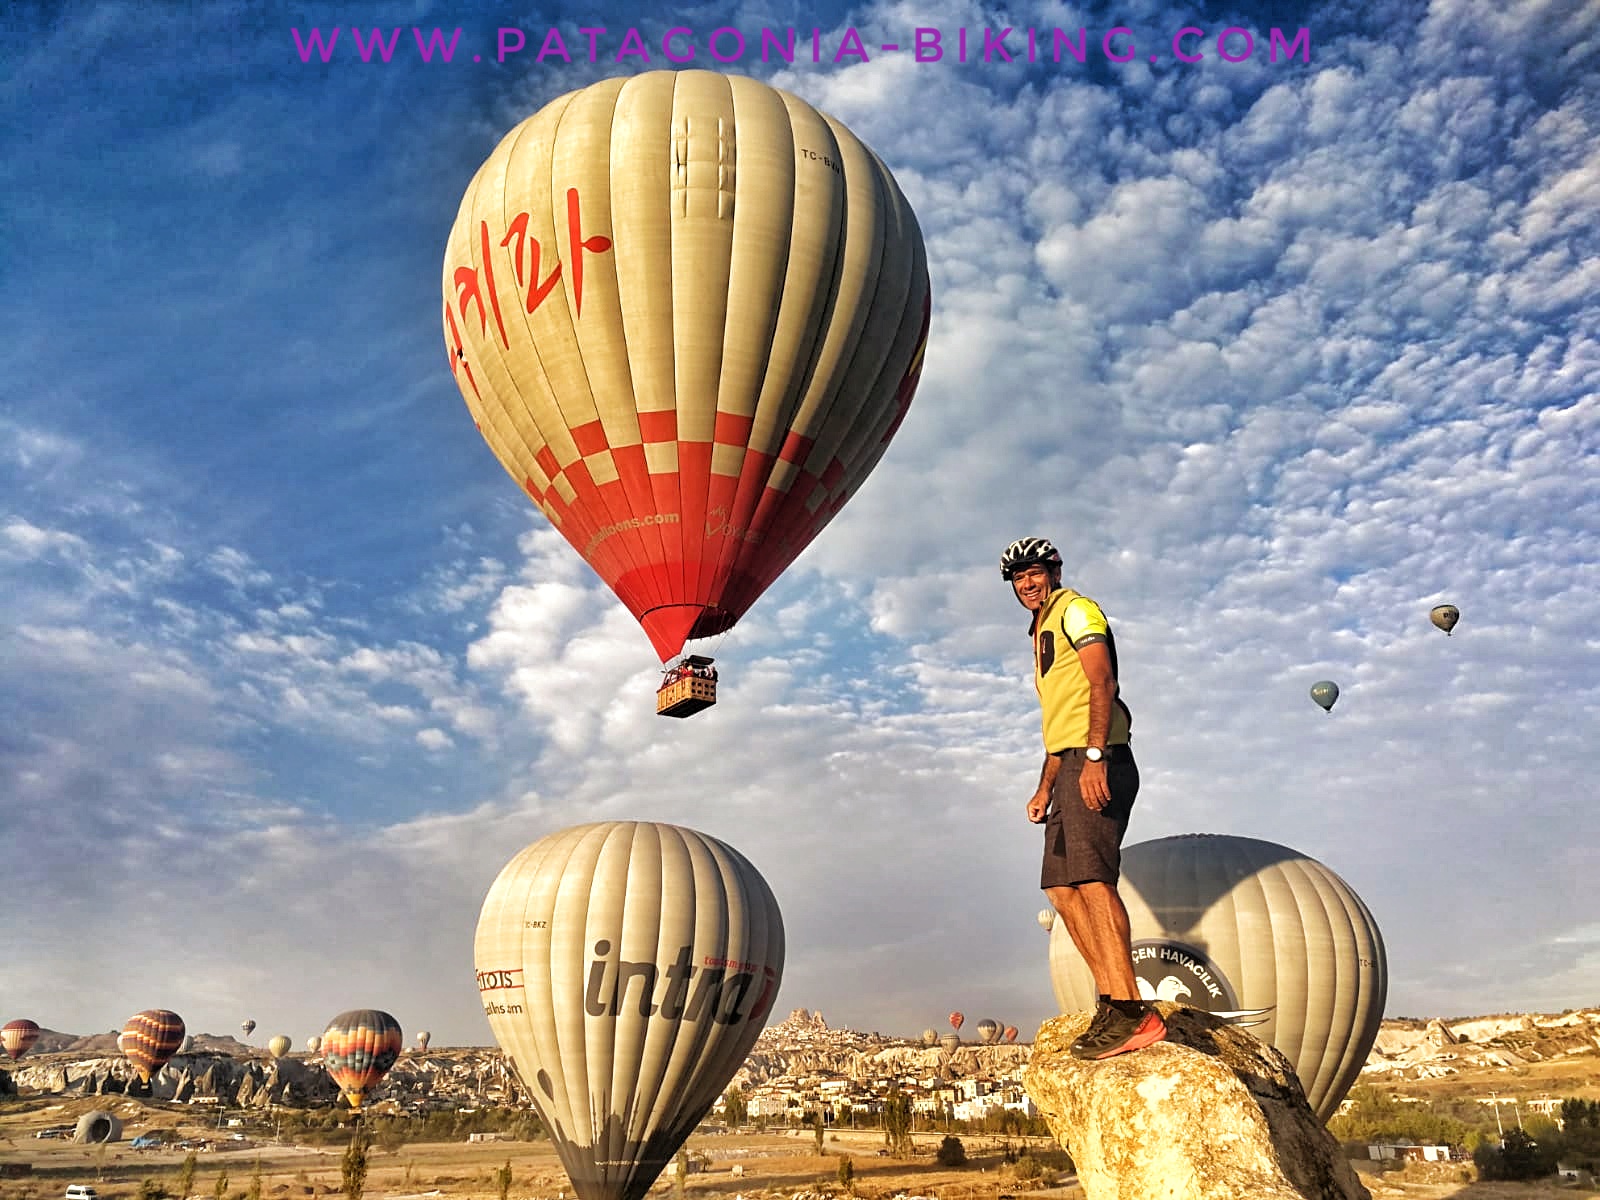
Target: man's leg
column 1110, row 953
column 1069, row 904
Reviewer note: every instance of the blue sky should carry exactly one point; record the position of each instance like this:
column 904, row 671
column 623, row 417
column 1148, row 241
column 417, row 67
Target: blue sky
column 1281, row 354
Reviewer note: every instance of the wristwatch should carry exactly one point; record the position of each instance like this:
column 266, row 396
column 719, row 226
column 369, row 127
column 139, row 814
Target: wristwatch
column 1094, row 754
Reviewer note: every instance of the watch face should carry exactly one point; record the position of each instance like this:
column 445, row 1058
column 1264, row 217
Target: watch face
column 1094, row 754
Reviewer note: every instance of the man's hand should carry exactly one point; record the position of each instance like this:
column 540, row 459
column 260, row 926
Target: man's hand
column 1092, row 786
column 1038, row 806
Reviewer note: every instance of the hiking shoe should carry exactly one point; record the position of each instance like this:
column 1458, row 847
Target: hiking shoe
column 1120, row 1034
column 1092, row 1035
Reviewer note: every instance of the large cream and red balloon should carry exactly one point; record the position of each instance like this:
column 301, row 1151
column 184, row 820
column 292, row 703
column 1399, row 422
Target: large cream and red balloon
column 687, row 312
column 627, row 967
column 18, row 1037
column 1260, row 932
column 150, row 1039
column 358, row 1048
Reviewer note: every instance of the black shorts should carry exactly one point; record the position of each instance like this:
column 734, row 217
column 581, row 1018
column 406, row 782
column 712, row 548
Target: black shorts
column 1081, row 845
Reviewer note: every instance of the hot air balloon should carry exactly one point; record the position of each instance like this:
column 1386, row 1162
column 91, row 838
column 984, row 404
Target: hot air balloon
column 627, row 967
column 313, row 1044
column 950, row 1043
column 247, row 1028
column 358, row 1048
column 956, row 1020
column 1324, row 692
column 930, row 1037
column 279, row 1046
column 1256, row 931
column 687, row 312
column 1445, row 616
column 1011, row 1033
column 423, row 1039
column 1047, row 918
column 18, row 1037
column 150, row 1039
column 988, row 1031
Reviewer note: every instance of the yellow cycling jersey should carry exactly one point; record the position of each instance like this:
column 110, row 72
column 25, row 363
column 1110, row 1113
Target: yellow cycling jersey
column 1066, row 622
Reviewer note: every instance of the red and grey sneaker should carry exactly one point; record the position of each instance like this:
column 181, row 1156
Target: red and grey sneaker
column 1119, row 1034
column 1092, row 1035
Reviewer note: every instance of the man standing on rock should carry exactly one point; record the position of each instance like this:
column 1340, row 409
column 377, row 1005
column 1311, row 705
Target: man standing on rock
column 1086, row 790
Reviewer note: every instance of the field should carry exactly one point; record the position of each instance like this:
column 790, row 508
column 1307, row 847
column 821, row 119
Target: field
column 772, row 1165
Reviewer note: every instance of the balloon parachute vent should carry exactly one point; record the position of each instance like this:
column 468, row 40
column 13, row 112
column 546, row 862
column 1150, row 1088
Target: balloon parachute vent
column 687, row 687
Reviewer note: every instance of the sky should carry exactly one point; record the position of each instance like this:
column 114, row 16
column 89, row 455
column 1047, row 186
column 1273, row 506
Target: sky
column 1280, row 353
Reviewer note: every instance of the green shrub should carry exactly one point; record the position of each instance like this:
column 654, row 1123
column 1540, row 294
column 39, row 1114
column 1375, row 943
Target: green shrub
column 951, row 1152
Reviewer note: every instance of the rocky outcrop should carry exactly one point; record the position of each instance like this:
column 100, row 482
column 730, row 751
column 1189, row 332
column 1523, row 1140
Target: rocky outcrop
column 1210, row 1114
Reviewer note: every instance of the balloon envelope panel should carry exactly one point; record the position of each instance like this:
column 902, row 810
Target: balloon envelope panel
column 358, row 1048
column 18, row 1037
column 150, row 1039
column 627, row 968
column 687, row 312
column 1237, row 925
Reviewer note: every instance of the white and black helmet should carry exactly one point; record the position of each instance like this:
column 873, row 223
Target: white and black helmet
column 1028, row 552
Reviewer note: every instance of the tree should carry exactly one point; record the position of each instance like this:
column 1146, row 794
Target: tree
column 847, row 1174
column 951, row 1152
column 502, row 1180
column 1517, row 1157
column 816, row 1128
column 220, row 1190
column 353, row 1169
column 736, row 1109
column 186, row 1175
column 897, row 1122
column 255, row 1182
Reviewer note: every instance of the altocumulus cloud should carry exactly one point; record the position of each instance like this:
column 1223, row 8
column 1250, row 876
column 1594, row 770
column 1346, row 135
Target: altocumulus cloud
column 1281, row 354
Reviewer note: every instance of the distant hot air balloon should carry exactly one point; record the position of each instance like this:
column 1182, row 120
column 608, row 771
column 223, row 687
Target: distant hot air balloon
column 358, row 1048
column 956, row 1019
column 1047, row 918
column 423, row 1039
column 930, row 1037
column 279, row 1046
column 687, row 312
column 627, row 967
column 988, row 1031
column 1011, row 1033
column 150, row 1039
column 18, row 1037
column 313, row 1044
column 1324, row 692
column 1256, row 931
column 1445, row 617
column 247, row 1027
column 950, row 1043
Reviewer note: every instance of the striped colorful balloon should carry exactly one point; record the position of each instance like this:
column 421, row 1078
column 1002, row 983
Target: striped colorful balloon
column 18, row 1037
column 358, row 1048
column 150, row 1039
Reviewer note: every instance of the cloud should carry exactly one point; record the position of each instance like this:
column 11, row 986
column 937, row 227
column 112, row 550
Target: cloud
column 1281, row 354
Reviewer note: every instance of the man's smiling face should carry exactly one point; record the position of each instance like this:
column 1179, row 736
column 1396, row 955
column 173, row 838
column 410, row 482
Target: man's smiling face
column 1033, row 586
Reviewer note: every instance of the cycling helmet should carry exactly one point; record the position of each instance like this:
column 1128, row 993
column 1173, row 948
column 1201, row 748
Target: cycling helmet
column 1028, row 552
